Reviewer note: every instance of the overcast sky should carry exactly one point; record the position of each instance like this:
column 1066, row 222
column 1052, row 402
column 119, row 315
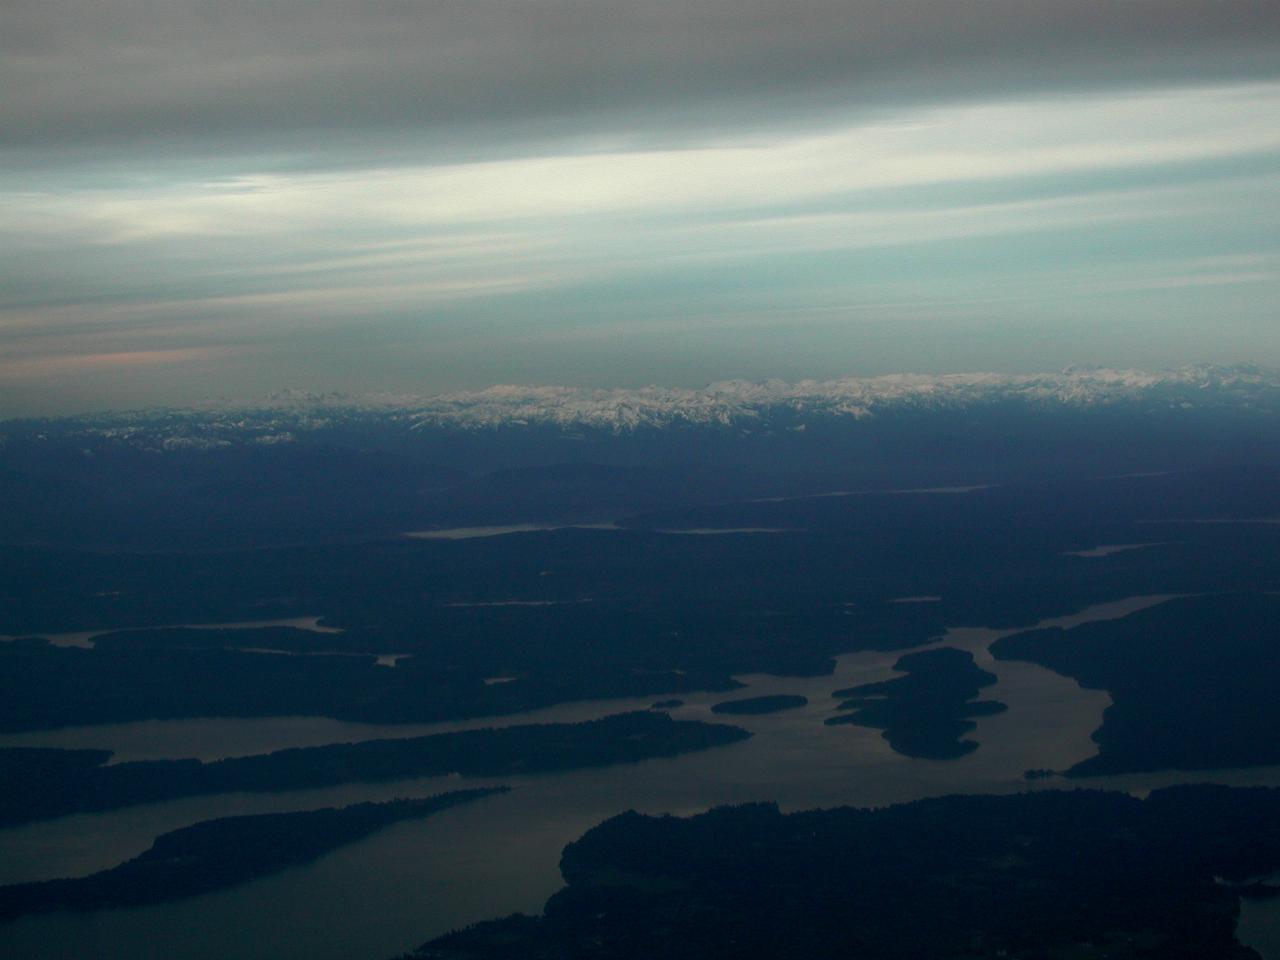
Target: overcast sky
column 203, row 199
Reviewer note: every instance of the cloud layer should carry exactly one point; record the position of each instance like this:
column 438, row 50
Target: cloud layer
column 241, row 73
column 236, row 196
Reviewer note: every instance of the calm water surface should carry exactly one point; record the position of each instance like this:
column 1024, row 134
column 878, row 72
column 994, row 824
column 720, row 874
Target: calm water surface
column 1259, row 925
column 404, row 885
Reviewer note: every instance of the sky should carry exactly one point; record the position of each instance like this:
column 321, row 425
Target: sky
column 226, row 199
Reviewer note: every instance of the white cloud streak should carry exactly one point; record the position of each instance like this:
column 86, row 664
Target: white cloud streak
column 254, row 260
column 981, row 142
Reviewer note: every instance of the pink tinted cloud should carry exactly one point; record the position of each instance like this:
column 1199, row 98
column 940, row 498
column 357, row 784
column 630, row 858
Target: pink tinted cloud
column 112, row 362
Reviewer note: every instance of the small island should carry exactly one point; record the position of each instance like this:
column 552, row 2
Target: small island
column 45, row 783
column 220, row 853
column 925, row 713
column 750, row 706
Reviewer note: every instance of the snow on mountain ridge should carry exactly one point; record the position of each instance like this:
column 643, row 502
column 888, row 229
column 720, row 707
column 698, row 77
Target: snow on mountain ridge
column 741, row 404
column 737, row 402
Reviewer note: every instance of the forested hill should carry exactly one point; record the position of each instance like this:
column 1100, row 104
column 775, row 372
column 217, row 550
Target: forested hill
column 1082, row 874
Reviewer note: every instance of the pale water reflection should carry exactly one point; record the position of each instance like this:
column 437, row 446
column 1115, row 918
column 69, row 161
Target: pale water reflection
column 721, row 531
column 1259, row 925
column 470, row 533
column 387, row 893
column 1107, row 549
column 84, row 638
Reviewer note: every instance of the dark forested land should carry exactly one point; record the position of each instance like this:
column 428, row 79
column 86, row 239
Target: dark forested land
column 925, row 713
column 554, row 650
column 44, row 783
column 1082, row 874
column 124, row 540
column 189, row 479
column 570, row 614
column 220, row 853
column 749, row 706
column 1192, row 682
column 170, row 675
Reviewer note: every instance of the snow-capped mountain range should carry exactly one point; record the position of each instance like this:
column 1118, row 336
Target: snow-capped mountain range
column 740, row 402
column 281, row 417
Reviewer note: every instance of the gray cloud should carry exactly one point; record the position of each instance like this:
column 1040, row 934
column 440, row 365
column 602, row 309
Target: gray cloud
column 229, row 195
column 253, row 75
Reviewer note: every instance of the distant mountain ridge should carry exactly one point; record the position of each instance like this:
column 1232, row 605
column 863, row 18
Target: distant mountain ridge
column 741, row 402
column 737, row 404
column 304, row 468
